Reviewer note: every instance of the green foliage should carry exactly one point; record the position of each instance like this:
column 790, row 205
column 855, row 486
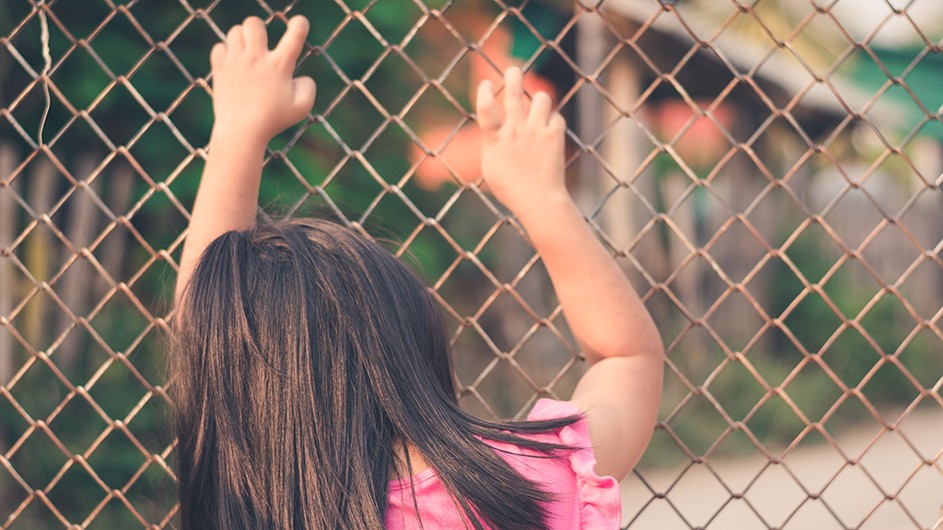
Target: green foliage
column 869, row 358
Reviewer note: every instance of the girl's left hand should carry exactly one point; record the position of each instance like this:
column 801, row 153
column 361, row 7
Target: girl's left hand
column 254, row 91
column 522, row 157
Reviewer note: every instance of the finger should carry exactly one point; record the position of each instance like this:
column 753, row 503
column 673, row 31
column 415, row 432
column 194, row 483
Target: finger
column 234, row 39
column 217, row 54
column 557, row 123
column 254, row 34
column 293, row 40
column 305, row 90
column 488, row 118
column 513, row 94
column 540, row 109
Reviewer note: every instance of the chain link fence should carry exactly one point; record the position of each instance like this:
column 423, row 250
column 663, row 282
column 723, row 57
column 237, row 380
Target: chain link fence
column 767, row 172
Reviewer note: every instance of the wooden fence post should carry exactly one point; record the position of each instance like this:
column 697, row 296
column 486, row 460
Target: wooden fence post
column 74, row 287
column 42, row 187
column 111, row 256
column 7, row 233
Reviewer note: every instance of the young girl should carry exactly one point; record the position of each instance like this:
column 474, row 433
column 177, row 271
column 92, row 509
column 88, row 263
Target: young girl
column 312, row 376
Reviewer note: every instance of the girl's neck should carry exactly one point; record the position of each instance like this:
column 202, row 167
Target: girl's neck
column 400, row 470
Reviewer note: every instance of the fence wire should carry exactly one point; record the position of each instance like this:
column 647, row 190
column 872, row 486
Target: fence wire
column 767, row 172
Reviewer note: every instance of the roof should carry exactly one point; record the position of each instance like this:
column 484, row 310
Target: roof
column 782, row 69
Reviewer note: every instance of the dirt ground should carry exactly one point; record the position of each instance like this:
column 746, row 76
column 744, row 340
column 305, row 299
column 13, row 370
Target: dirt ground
column 896, row 484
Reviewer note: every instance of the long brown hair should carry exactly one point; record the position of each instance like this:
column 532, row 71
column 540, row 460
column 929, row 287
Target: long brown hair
column 304, row 352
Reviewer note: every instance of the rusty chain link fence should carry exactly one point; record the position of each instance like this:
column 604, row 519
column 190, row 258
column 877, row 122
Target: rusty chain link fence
column 767, row 172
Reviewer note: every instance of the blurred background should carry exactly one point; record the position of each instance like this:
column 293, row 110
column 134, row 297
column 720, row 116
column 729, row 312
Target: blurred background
column 768, row 174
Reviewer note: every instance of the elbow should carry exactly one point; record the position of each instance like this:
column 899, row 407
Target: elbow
column 645, row 344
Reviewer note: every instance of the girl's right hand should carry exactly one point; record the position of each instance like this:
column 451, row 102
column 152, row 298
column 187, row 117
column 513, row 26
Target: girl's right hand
column 523, row 155
column 255, row 93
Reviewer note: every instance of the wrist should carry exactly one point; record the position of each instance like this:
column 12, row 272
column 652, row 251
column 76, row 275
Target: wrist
column 225, row 135
column 545, row 208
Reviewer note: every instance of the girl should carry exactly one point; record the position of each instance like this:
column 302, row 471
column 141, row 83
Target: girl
column 312, row 376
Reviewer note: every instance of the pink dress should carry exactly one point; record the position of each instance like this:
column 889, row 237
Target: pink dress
column 584, row 500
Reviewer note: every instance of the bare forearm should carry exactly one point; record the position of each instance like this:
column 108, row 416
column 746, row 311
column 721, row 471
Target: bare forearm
column 255, row 96
column 228, row 195
column 602, row 309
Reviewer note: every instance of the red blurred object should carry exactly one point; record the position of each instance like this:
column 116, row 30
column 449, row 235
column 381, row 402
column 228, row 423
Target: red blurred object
column 702, row 143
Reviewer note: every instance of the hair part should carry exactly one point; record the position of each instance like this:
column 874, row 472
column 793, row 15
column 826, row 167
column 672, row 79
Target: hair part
column 304, row 352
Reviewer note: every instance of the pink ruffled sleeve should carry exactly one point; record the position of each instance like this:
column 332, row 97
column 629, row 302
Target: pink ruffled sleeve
column 600, row 502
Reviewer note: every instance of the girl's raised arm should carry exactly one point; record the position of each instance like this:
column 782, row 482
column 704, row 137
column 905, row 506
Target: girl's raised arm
column 523, row 165
column 255, row 97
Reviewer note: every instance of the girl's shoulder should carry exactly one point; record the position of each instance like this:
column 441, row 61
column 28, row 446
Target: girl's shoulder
column 581, row 498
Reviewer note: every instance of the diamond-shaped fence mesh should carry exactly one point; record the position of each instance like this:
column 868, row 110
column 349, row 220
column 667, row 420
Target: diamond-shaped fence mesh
column 767, row 172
